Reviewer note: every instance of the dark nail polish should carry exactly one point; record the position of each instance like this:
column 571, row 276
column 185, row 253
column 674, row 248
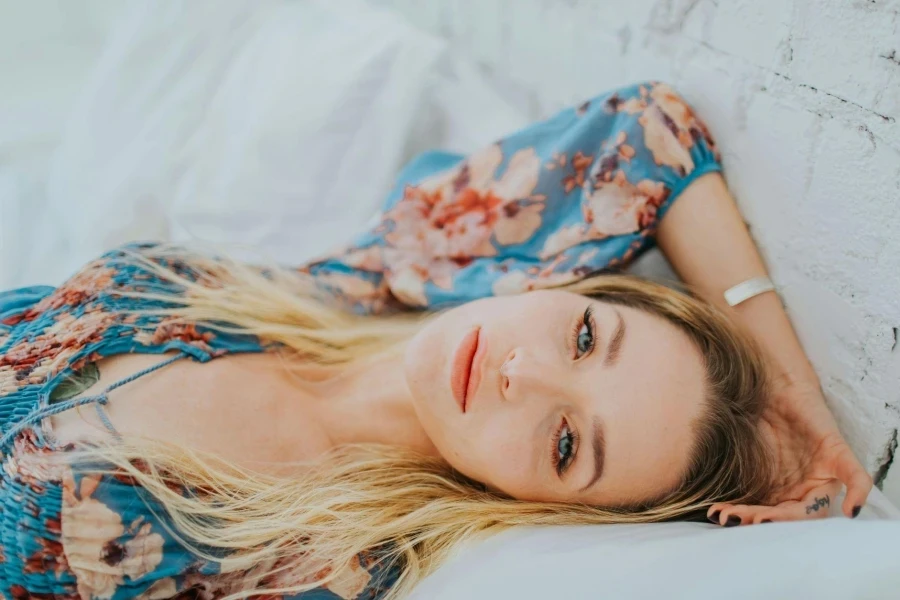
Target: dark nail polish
column 766, row 521
column 732, row 521
column 856, row 510
column 714, row 518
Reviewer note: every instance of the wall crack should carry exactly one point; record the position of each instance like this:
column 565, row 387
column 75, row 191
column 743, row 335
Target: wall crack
column 892, row 57
column 886, row 461
column 845, row 101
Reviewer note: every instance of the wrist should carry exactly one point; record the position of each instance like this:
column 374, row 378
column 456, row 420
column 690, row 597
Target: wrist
column 764, row 319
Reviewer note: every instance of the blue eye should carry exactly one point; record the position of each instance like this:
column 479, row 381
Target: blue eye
column 585, row 339
column 563, row 448
column 584, row 334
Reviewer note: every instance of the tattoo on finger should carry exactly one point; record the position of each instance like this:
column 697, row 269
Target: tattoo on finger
column 819, row 503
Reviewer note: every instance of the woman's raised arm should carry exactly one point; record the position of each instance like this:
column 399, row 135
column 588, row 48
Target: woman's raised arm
column 708, row 244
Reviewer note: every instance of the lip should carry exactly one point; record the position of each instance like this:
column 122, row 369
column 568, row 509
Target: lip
column 465, row 371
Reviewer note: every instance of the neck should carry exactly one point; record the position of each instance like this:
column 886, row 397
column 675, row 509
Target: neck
column 370, row 402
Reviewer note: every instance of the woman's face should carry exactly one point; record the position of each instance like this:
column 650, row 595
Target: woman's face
column 565, row 398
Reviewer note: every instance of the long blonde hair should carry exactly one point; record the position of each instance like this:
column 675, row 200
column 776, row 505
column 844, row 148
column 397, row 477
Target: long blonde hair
column 407, row 512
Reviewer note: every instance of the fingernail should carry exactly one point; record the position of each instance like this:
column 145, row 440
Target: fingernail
column 732, row 521
column 856, row 510
column 714, row 518
column 766, row 521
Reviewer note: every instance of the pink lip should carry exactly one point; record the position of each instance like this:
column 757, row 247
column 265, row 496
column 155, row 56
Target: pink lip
column 465, row 371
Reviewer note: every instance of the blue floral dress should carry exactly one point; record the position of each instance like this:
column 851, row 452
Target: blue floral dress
column 578, row 194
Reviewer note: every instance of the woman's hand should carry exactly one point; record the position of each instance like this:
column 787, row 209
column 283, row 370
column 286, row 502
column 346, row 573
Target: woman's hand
column 812, row 461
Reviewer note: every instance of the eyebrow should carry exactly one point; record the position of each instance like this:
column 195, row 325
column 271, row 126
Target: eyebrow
column 614, row 348
column 598, row 441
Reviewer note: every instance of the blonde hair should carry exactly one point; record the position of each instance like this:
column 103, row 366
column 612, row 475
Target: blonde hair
column 407, row 512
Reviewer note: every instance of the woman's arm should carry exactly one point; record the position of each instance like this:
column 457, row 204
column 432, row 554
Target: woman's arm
column 707, row 242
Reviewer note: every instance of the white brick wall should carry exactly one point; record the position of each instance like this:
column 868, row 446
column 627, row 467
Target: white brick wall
column 804, row 97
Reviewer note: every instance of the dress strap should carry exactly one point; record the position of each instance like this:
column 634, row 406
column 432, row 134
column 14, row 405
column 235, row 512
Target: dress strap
column 100, row 401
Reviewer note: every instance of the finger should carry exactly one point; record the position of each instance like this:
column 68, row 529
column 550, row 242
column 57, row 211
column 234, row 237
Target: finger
column 814, row 505
column 734, row 515
column 859, row 483
column 858, row 489
column 747, row 514
column 740, row 514
column 714, row 513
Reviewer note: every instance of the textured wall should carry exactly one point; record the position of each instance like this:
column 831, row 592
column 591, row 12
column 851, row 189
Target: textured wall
column 804, row 98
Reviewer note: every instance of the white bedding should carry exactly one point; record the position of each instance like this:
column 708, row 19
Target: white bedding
column 270, row 125
column 833, row 559
column 280, row 125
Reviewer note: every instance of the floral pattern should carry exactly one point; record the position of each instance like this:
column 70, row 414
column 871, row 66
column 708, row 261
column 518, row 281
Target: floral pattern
column 577, row 194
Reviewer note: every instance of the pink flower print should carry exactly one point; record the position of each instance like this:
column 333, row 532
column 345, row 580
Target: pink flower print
column 619, row 207
column 662, row 139
column 580, row 164
column 670, row 128
column 32, row 361
column 91, row 534
column 408, row 274
column 675, row 107
column 77, row 290
column 519, row 282
column 455, row 212
column 173, row 328
column 356, row 290
column 351, row 581
column 533, row 278
column 519, row 224
column 365, row 259
column 631, row 106
column 455, row 216
column 566, row 237
column 558, row 160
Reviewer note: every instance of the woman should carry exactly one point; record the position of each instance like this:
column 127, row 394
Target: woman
column 342, row 445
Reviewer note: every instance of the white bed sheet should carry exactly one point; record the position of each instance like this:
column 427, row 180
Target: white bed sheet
column 831, row 559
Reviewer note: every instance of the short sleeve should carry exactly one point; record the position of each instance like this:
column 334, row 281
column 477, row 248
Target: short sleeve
column 579, row 193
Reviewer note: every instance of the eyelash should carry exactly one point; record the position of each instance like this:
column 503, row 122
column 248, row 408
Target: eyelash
column 561, row 465
column 587, row 320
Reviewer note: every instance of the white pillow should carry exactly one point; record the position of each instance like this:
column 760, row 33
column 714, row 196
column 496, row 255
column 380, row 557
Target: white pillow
column 835, row 558
column 273, row 124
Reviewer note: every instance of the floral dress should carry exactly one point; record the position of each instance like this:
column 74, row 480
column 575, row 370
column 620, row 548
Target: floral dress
column 578, row 194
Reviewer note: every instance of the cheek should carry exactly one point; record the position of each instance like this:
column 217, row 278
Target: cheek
column 422, row 363
column 495, row 453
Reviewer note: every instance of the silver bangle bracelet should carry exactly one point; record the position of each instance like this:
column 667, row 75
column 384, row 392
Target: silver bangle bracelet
column 748, row 289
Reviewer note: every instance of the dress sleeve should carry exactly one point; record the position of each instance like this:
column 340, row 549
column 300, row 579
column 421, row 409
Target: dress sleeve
column 579, row 193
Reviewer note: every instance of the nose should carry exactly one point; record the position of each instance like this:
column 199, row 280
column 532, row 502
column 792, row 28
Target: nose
column 524, row 372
